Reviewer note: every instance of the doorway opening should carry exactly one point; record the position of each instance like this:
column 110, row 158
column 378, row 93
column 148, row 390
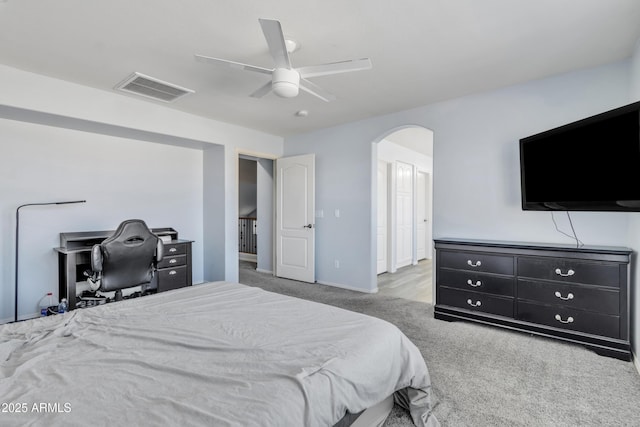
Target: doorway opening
column 255, row 213
column 403, row 212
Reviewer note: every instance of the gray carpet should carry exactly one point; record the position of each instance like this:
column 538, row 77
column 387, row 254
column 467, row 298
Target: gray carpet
column 485, row 376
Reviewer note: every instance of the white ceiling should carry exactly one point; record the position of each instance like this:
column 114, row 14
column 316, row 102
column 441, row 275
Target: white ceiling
column 423, row 51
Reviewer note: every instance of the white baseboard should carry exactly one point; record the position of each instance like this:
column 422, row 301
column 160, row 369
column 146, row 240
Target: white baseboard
column 260, row 270
column 247, row 257
column 636, row 362
column 27, row 317
column 350, row 288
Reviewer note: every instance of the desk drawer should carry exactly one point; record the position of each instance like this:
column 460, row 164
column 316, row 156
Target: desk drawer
column 606, row 301
column 471, row 281
column 476, row 301
column 477, row 261
column 172, row 261
column 570, row 319
column 171, row 249
column 570, row 270
column 172, row 278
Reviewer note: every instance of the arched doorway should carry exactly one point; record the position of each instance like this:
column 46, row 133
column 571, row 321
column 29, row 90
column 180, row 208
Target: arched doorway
column 403, row 213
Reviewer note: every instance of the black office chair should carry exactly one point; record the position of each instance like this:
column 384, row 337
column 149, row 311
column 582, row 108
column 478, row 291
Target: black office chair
column 126, row 259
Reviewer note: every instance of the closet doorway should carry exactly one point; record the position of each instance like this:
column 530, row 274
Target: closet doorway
column 404, row 214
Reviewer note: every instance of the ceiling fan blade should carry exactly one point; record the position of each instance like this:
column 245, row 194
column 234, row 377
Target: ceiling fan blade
column 275, row 39
column 316, row 91
column 262, row 91
column 335, row 68
column 232, row 64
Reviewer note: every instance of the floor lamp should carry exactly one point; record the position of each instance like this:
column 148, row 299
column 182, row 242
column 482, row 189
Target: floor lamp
column 17, row 239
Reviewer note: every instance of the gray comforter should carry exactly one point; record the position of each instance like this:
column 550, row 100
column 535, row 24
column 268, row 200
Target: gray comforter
column 218, row 354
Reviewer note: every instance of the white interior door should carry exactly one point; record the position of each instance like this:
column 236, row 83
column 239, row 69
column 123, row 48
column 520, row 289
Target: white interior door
column 295, row 208
column 404, row 214
column 382, row 221
column 422, row 217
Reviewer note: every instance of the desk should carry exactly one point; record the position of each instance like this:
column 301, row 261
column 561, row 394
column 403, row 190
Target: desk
column 74, row 257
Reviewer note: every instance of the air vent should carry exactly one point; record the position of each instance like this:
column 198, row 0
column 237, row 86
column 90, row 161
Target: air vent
column 149, row 87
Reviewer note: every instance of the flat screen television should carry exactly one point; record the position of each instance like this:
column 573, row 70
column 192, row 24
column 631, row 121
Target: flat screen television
column 589, row 165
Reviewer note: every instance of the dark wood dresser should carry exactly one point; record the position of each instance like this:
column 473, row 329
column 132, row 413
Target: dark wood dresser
column 579, row 295
column 174, row 271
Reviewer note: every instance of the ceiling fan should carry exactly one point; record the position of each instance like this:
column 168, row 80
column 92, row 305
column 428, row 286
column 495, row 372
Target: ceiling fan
column 286, row 80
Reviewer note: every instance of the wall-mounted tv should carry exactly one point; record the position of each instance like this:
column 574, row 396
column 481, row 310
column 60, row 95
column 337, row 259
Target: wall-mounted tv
column 589, row 165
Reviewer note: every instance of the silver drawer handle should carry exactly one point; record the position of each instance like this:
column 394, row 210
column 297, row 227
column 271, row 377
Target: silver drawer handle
column 172, row 272
column 172, row 249
column 567, row 298
column 559, row 319
column 173, row 261
column 472, row 264
column 475, row 285
column 472, row 304
column 569, row 272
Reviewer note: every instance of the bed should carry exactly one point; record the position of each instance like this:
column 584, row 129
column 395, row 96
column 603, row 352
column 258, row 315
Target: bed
column 216, row 354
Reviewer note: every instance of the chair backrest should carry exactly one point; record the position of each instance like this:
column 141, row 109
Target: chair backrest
column 128, row 257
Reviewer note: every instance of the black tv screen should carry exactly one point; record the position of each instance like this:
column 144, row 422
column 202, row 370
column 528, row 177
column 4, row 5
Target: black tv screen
column 589, row 165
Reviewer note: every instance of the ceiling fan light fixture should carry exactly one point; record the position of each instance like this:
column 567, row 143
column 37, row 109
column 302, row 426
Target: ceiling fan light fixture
column 285, row 82
column 291, row 45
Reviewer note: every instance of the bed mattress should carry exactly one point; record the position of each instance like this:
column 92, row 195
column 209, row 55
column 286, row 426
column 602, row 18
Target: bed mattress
column 220, row 354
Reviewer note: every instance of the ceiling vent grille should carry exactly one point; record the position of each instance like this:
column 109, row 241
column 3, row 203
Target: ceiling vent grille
column 150, row 87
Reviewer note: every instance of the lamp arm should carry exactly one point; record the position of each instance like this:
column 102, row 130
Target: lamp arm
column 18, row 241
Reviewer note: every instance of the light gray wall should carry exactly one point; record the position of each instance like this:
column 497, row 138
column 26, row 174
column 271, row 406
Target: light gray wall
column 634, row 225
column 178, row 144
column 247, row 188
column 343, row 181
column 266, row 219
column 476, row 168
column 213, row 196
column 476, row 156
column 119, row 178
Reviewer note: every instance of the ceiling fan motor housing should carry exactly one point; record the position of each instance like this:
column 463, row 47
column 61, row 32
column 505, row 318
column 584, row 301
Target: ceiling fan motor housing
column 285, row 82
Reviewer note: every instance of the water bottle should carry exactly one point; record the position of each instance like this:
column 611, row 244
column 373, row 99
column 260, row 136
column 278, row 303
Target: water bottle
column 63, row 306
column 45, row 303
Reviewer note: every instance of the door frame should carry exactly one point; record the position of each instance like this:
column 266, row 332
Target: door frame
column 412, row 221
column 428, row 199
column 374, row 197
column 383, row 164
column 266, row 156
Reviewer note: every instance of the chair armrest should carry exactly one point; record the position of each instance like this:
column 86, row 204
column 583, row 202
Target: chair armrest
column 96, row 258
column 159, row 250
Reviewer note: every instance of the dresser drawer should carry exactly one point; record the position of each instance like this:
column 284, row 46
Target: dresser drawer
column 477, row 261
column 606, row 301
column 476, row 301
column 570, row 319
column 569, row 270
column 472, row 281
column 172, row 261
column 171, row 249
column 172, row 278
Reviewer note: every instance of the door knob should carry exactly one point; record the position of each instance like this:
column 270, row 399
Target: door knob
column 308, row 226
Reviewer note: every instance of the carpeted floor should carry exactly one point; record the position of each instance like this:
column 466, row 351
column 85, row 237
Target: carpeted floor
column 485, row 376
